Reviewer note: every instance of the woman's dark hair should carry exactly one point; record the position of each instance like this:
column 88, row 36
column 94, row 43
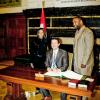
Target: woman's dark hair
column 39, row 30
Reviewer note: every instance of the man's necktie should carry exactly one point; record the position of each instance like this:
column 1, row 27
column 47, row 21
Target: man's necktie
column 53, row 61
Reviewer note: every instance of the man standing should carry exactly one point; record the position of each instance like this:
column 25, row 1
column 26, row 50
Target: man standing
column 56, row 61
column 83, row 48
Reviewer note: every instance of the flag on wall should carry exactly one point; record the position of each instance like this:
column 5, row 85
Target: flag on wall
column 43, row 20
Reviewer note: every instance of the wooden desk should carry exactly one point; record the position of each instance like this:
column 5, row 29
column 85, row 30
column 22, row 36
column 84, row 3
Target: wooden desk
column 7, row 62
column 26, row 75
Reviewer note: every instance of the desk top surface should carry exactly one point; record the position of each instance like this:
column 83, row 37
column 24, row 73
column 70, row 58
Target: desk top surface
column 26, row 75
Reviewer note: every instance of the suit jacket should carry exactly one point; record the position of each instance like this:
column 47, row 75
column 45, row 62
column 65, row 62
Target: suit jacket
column 83, row 51
column 61, row 59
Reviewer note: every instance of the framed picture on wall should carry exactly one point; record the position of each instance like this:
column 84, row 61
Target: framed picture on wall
column 10, row 3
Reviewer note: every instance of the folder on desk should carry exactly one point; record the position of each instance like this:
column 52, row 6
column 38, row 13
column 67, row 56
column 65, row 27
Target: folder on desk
column 68, row 74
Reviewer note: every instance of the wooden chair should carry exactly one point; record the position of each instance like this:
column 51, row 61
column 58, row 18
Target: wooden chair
column 73, row 97
column 3, row 89
column 70, row 57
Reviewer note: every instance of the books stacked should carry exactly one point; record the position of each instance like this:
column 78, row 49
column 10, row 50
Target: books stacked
column 39, row 76
column 73, row 83
column 83, row 84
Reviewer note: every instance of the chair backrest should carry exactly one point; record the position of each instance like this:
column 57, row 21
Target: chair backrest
column 70, row 56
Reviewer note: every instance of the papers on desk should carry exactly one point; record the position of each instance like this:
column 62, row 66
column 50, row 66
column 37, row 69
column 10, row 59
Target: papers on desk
column 89, row 79
column 53, row 73
column 68, row 74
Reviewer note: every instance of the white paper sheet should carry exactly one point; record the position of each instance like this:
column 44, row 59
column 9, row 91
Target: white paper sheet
column 68, row 74
column 53, row 73
column 72, row 75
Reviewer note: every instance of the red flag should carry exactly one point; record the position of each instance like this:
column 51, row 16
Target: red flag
column 42, row 20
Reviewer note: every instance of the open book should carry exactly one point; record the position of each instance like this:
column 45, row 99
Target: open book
column 68, row 74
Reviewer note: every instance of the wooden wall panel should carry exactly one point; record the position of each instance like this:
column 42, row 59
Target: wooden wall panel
column 14, row 30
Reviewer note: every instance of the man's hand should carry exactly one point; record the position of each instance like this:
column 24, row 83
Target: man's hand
column 56, row 70
column 53, row 70
column 83, row 66
column 49, row 69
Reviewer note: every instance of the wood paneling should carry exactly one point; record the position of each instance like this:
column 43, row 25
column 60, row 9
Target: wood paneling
column 13, row 35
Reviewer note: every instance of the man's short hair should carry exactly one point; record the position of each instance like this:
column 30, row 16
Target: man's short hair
column 58, row 39
column 81, row 18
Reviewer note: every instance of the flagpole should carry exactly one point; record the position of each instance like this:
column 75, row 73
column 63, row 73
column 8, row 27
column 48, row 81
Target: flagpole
column 42, row 18
column 43, row 6
column 43, row 3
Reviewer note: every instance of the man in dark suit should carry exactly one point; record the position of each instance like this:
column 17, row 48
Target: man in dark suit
column 56, row 61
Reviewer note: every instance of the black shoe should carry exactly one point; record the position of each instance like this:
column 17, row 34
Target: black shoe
column 37, row 92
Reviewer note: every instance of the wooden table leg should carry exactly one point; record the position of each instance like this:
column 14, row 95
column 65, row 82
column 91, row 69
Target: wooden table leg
column 14, row 91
